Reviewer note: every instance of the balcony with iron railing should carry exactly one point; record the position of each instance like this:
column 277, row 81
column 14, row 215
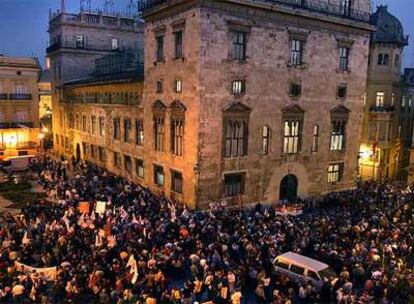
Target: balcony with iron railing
column 16, row 125
column 20, row 96
column 318, row 6
column 381, row 109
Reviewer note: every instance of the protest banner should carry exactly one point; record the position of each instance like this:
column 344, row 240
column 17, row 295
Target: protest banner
column 100, row 207
column 47, row 273
column 83, row 207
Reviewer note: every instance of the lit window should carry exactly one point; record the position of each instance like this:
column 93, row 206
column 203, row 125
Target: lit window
column 383, row 59
column 139, row 132
column 102, row 126
column 380, row 99
column 265, row 140
column 335, row 173
column 139, row 168
column 178, row 86
column 315, row 138
column 158, row 175
column 291, row 131
column 296, row 52
column 238, row 87
column 80, row 41
column 338, row 135
column 114, row 43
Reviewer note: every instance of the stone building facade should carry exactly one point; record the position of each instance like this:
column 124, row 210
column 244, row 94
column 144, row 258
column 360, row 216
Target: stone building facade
column 407, row 114
column 381, row 153
column 271, row 97
column 19, row 110
column 77, row 40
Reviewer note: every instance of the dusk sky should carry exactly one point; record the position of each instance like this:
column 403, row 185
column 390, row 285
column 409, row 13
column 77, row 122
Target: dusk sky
column 23, row 24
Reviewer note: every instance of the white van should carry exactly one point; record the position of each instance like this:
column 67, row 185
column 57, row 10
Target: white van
column 18, row 163
column 302, row 269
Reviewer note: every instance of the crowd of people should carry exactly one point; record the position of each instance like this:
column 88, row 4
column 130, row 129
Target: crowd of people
column 144, row 248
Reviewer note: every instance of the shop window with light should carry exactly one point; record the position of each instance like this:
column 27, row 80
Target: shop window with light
column 335, row 172
column 265, row 140
column 234, row 184
column 159, row 175
column 139, row 132
column 139, row 168
column 292, row 118
column 380, row 99
column 176, row 181
column 315, row 139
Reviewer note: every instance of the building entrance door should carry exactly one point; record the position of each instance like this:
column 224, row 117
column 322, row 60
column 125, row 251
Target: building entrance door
column 288, row 188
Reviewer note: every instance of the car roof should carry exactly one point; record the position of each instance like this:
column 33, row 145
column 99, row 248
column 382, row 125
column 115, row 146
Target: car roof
column 302, row 261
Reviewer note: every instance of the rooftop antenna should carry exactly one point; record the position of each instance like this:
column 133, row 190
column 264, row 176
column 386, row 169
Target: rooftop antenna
column 85, row 5
column 109, row 6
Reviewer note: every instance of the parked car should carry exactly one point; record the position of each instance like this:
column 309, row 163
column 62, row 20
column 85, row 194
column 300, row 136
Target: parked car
column 302, row 269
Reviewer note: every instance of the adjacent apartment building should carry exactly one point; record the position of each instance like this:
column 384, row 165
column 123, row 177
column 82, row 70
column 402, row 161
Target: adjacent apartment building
column 19, row 110
column 386, row 124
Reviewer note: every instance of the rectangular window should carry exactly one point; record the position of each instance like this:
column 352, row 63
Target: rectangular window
column 127, row 130
column 102, row 126
column 159, row 86
column 178, row 86
column 265, row 140
column 383, row 59
column 159, row 133
column 80, row 41
column 177, row 135
column 343, row 59
column 338, row 136
column 291, row 131
column 233, row 184
column 139, row 168
column 315, row 139
column 160, row 48
column 101, row 154
column 117, row 160
column 335, row 172
column 235, row 138
column 114, row 44
column 341, row 91
column 84, row 123
column 93, row 124
column 295, row 89
column 85, row 148
column 380, row 99
column 178, row 44
column 239, row 45
column 117, row 128
column 93, row 151
column 296, row 52
column 158, row 175
column 127, row 163
column 346, row 7
column 139, row 132
column 176, row 182
column 238, row 87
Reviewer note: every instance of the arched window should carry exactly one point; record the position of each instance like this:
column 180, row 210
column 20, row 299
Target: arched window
column 177, row 127
column 159, row 121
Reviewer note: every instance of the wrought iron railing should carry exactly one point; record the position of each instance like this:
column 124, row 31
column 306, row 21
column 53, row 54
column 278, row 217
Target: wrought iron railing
column 385, row 109
column 320, row 6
